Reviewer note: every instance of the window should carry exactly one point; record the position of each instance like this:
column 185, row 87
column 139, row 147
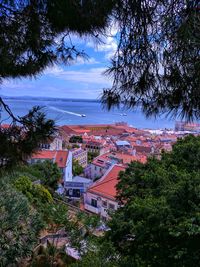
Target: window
column 76, row 193
column 94, row 202
column 70, row 192
column 104, row 219
column 104, row 203
column 111, row 206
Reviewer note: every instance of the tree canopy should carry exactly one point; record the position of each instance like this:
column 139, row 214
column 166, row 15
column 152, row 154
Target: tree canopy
column 23, row 136
column 156, row 65
column 77, row 169
column 76, row 139
column 50, row 174
column 159, row 223
column 35, row 34
column 157, row 62
column 26, row 209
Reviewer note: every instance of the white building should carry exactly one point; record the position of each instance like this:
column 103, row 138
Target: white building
column 62, row 158
column 100, row 198
column 54, row 143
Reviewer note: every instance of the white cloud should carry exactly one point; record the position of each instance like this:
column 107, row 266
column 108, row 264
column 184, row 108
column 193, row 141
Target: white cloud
column 109, row 42
column 89, row 61
column 15, row 84
column 90, row 76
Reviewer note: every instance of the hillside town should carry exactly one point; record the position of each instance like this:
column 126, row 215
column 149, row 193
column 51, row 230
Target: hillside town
column 102, row 152
column 89, row 160
column 100, row 133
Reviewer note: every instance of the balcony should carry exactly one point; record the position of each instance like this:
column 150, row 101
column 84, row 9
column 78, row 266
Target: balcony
column 91, row 208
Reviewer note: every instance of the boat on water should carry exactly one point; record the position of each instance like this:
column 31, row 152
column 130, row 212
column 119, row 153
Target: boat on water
column 83, row 115
column 123, row 114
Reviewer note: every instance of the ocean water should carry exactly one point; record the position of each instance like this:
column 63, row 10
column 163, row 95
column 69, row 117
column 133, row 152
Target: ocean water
column 69, row 111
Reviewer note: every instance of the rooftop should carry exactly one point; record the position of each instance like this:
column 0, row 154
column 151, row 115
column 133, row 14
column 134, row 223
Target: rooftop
column 58, row 156
column 106, row 186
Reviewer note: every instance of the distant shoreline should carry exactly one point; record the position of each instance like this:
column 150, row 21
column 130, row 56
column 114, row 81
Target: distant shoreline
column 49, row 98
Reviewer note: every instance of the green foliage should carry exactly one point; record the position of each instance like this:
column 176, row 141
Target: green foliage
column 56, row 214
column 28, row 170
column 145, row 70
column 29, row 28
column 75, row 146
column 20, row 225
column 77, row 169
column 89, row 222
column 23, row 184
column 51, row 255
column 159, row 223
column 34, row 192
column 157, row 63
column 50, row 174
column 102, row 254
column 23, row 137
column 76, row 139
column 91, row 156
column 42, row 194
column 26, row 208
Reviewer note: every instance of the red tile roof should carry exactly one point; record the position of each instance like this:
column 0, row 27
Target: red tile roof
column 61, row 158
column 124, row 158
column 106, row 186
column 58, row 156
column 44, row 154
column 5, row 126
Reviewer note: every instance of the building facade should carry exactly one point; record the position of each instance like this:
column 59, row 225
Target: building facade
column 80, row 155
column 62, row 158
column 100, row 198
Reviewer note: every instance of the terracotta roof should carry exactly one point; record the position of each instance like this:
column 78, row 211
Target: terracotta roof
column 104, row 159
column 96, row 142
column 61, row 158
column 5, row 126
column 126, row 158
column 44, row 154
column 142, row 149
column 106, row 186
column 58, row 156
column 67, row 129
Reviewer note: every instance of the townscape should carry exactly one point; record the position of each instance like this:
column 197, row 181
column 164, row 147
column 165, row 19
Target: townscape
column 103, row 151
column 100, row 133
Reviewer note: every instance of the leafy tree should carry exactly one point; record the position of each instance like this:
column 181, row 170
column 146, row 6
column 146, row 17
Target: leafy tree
column 34, row 35
column 157, row 62
column 50, row 174
column 76, row 139
column 102, row 255
column 75, row 146
column 23, row 137
column 26, row 209
column 51, row 256
column 36, row 193
column 159, row 223
column 91, row 156
column 77, row 169
column 20, row 225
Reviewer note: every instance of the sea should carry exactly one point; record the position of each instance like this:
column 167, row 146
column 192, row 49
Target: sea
column 79, row 112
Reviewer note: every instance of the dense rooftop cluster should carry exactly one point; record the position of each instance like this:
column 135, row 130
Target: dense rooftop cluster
column 102, row 151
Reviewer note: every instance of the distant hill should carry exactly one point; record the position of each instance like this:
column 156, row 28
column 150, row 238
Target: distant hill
column 49, row 98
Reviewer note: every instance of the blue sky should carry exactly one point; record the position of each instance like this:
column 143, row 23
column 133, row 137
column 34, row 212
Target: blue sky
column 83, row 79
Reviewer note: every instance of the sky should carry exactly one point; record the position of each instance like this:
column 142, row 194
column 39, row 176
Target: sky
column 82, row 80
